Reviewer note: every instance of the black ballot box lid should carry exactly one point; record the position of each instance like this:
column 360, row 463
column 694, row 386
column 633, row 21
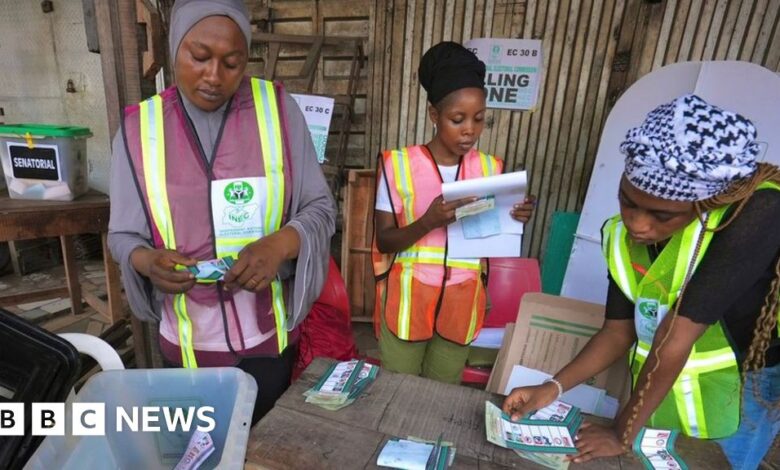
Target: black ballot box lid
column 35, row 366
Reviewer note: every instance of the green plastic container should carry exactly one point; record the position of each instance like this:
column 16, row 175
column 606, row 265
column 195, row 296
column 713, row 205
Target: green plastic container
column 44, row 161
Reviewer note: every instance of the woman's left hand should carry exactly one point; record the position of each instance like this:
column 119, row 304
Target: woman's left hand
column 258, row 263
column 523, row 212
column 594, row 441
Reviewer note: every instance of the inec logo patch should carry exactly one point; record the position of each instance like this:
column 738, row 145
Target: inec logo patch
column 648, row 308
column 239, row 192
column 239, row 195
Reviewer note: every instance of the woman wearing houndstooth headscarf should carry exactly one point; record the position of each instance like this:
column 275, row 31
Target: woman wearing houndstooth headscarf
column 694, row 269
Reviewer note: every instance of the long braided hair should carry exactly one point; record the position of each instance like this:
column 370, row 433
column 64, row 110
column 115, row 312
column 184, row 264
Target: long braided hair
column 739, row 193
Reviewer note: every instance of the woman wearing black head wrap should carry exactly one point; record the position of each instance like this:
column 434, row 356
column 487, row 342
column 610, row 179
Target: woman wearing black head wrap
column 430, row 307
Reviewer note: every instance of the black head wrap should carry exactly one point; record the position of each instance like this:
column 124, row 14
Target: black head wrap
column 447, row 67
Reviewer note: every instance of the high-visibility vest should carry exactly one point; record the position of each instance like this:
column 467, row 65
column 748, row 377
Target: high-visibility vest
column 705, row 399
column 414, row 309
column 174, row 182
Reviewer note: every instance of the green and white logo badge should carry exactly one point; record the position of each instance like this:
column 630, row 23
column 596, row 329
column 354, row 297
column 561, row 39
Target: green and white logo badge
column 239, row 211
column 239, row 192
column 648, row 308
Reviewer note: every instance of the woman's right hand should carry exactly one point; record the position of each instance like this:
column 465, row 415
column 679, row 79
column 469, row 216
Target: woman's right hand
column 524, row 400
column 160, row 267
column 441, row 214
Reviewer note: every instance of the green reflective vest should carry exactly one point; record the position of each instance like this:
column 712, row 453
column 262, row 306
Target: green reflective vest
column 705, row 400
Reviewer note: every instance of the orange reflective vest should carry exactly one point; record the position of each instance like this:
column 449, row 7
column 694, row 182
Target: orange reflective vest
column 450, row 302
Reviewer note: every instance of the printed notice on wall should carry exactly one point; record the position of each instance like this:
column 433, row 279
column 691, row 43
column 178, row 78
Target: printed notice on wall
column 317, row 110
column 513, row 71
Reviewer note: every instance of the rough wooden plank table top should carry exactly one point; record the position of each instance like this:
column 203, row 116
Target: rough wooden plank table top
column 298, row 435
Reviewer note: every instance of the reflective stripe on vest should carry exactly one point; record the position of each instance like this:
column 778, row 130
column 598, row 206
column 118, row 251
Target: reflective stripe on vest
column 403, row 181
column 687, row 391
column 153, row 154
column 153, row 150
column 435, row 255
column 712, row 355
column 273, row 158
column 404, row 185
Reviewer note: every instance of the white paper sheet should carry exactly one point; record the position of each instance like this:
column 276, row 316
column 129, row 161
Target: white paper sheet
column 404, row 454
column 589, row 399
column 490, row 338
column 507, row 189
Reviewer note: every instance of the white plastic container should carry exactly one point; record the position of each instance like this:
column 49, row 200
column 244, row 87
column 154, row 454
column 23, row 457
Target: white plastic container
column 230, row 391
column 42, row 161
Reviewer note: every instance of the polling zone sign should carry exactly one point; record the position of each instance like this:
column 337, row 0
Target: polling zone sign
column 317, row 111
column 514, row 68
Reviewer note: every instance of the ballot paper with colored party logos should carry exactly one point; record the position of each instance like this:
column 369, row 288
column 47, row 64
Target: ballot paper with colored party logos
column 655, row 448
column 549, row 430
column 341, row 384
column 210, row 271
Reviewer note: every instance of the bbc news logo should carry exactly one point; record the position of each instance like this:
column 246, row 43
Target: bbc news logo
column 89, row 419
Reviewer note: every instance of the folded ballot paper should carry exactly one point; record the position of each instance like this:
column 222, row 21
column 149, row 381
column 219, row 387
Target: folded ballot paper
column 341, row 384
column 655, row 448
column 210, row 271
column 550, row 430
column 545, row 436
column 416, row 454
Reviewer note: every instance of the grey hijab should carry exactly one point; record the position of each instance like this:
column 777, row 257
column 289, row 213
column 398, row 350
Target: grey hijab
column 186, row 13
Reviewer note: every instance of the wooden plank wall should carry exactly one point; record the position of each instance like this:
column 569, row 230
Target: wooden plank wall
column 593, row 51
column 313, row 17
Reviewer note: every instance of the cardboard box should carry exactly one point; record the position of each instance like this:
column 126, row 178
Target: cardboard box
column 550, row 331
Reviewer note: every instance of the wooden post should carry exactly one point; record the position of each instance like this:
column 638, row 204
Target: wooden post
column 120, row 61
column 113, row 283
column 14, row 255
column 71, row 273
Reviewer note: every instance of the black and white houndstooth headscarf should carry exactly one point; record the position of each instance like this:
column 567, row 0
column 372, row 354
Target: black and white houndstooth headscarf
column 689, row 150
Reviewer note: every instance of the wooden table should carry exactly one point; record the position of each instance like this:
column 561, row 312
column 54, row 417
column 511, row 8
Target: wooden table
column 298, row 435
column 25, row 219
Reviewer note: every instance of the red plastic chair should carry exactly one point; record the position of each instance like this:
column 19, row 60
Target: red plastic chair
column 509, row 280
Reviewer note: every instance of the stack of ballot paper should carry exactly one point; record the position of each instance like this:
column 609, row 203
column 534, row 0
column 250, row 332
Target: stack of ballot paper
column 549, row 430
column 341, row 384
column 655, row 448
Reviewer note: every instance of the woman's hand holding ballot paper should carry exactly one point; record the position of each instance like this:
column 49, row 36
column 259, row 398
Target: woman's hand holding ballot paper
column 497, row 214
column 159, row 266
